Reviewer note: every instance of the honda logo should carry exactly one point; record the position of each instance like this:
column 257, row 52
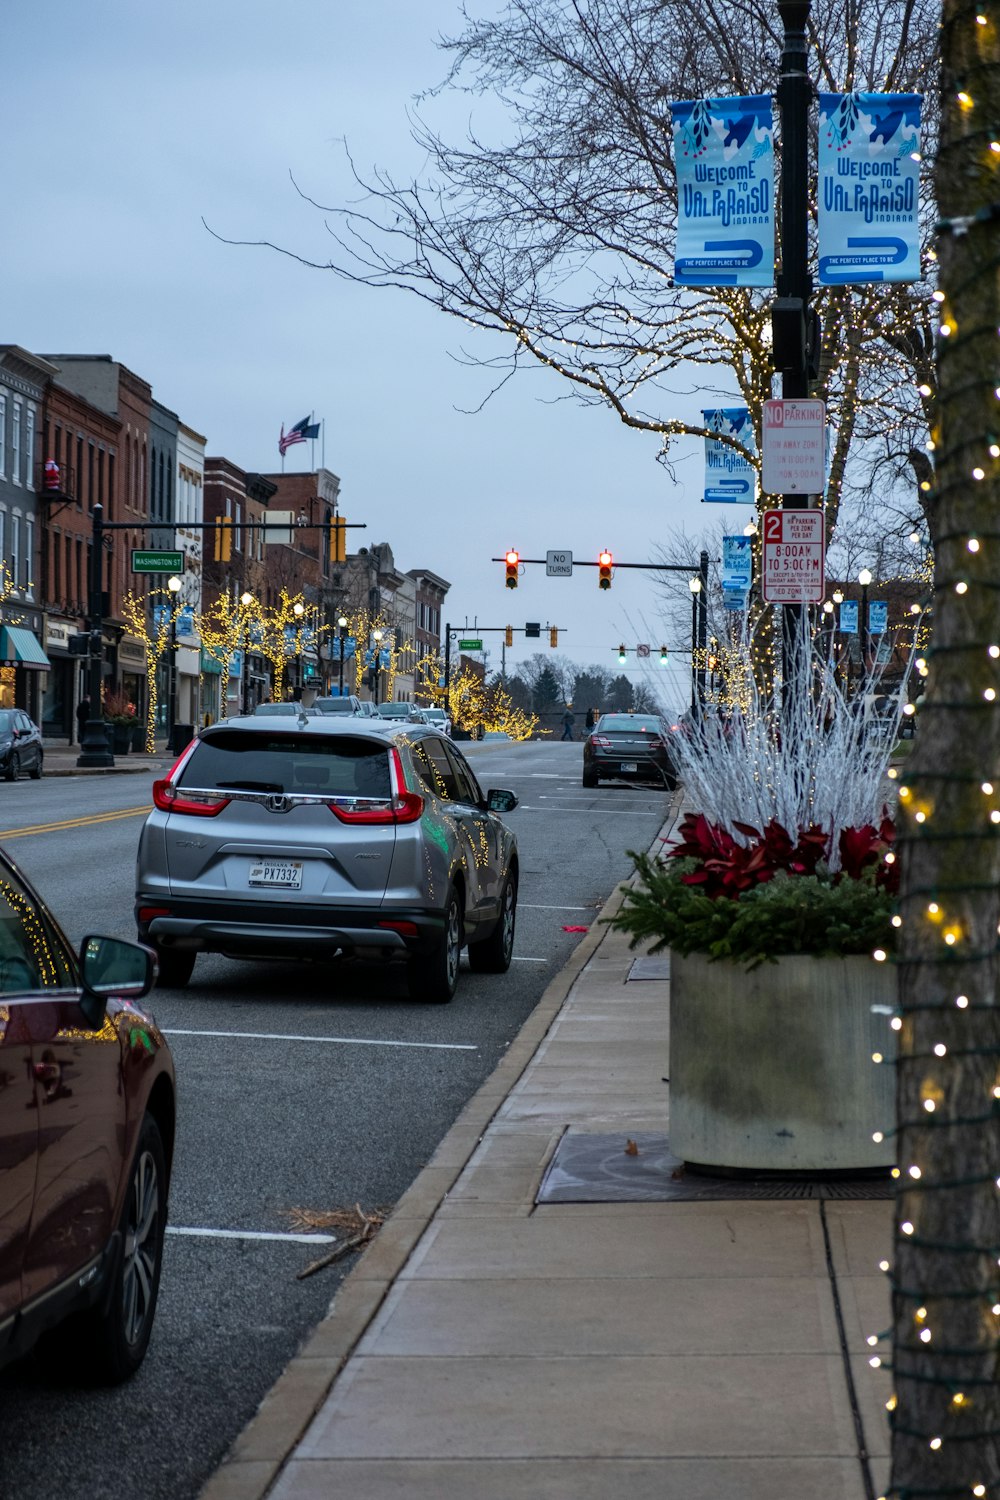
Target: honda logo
column 276, row 803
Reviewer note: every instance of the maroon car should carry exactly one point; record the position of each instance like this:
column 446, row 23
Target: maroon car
column 86, row 1138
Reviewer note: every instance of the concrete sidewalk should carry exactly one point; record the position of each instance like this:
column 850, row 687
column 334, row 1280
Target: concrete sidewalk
column 658, row 1350
column 61, row 758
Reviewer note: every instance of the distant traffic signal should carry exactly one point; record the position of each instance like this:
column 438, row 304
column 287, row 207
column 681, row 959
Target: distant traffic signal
column 663, row 656
column 604, row 561
column 224, row 541
column 509, row 635
column 622, row 654
column 338, row 540
column 553, row 635
column 513, row 560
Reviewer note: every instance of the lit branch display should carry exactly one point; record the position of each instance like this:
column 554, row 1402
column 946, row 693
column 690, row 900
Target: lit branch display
column 156, row 634
column 944, row 1271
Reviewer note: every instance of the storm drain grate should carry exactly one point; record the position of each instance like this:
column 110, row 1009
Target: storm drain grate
column 589, row 1168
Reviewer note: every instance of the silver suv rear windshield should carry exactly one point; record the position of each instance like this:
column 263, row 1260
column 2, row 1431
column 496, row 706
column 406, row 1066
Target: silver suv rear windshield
column 238, row 761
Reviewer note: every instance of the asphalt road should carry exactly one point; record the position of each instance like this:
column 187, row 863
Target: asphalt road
column 299, row 1092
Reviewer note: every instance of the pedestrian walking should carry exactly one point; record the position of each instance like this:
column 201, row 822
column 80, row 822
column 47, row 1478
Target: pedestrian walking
column 82, row 715
column 568, row 723
column 591, row 719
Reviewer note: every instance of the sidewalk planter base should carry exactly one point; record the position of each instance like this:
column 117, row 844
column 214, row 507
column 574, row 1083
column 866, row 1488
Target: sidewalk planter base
column 772, row 1070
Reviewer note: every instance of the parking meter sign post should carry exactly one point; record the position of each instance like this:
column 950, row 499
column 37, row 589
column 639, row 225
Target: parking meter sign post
column 793, row 556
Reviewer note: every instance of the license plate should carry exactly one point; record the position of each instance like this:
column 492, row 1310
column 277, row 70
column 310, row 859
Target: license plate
column 284, row 872
column 630, row 765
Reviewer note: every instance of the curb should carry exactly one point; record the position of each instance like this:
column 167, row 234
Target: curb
column 258, row 1454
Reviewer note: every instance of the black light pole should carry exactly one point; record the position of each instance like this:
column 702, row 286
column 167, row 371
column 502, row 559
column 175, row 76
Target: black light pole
column 793, row 322
column 94, row 747
column 864, row 578
column 174, row 585
column 342, row 627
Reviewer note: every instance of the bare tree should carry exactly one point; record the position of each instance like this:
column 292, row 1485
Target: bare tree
column 561, row 238
column 946, row 1286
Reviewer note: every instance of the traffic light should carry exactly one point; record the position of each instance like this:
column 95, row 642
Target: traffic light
column 663, row 656
column 622, row 654
column 508, row 636
column 338, row 540
column 604, row 561
column 553, row 635
column 224, row 541
column 513, row 560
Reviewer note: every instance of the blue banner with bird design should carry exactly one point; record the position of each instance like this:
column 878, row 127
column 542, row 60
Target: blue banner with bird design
column 724, row 160
column 869, row 188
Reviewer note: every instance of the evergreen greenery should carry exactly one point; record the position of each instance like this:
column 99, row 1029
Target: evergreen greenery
column 806, row 914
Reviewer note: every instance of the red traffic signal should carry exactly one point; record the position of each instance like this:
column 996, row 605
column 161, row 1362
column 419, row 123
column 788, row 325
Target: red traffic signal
column 513, row 560
column 604, row 562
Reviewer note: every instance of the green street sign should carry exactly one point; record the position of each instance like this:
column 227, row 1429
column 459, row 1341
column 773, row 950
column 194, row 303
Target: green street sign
column 470, row 645
column 157, row 562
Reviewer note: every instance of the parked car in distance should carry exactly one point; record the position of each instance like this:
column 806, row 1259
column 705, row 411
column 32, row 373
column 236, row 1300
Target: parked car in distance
column 348, row 704
column 436, row 717
column 367, row 709
column 20, row 745
column 411, row 711
column 629, row 747
column 283, row 710
column 87, row 1108
column 321, row 836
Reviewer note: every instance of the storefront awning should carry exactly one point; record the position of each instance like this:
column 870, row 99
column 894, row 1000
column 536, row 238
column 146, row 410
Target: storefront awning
column 23, row 648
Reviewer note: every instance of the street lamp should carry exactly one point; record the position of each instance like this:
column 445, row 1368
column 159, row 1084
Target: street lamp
column 694, row 584
column 864, row 578
column 298, row 610
column 377, row 638
column 175, row 585
column 342, row 627
column 246, row 599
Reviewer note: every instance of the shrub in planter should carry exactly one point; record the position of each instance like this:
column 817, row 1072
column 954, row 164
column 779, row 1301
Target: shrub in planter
column 754, row 902
column 773, row 897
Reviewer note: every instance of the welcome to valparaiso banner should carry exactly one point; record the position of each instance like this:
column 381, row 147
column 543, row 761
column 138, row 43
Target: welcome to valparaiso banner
column 869, row 188
column 724, row 159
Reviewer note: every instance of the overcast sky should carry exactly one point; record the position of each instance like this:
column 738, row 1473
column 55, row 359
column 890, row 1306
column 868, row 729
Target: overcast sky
column 128, row 122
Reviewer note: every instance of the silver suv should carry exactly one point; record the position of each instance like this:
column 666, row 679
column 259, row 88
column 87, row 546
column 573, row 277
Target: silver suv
column 308, row 838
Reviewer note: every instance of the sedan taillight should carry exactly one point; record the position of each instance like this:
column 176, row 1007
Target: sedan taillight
column 602, row 740
column 169, row 798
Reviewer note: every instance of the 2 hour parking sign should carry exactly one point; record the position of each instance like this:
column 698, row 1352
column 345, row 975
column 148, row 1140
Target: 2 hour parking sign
column 793, row 548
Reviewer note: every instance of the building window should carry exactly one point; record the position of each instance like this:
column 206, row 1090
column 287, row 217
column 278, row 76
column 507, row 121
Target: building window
column 3, row 541
column 29, row 447
column 3, row 434
column 29, row 555
column 100, row 475
column 237, row 525
column 79, row 473
column 15, row 442
column 15, row 549
column 111, row 487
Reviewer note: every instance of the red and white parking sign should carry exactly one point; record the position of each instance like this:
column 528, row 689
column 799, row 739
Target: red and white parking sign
column 793, row 556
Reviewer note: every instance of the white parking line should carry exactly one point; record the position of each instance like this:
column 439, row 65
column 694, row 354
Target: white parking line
column 516, row 960
column 529, row 906
column 619, row 812
column 253, row 1234
column 344, row 1041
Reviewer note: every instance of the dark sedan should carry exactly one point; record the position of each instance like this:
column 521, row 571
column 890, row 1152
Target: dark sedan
column 20, row 745
column 629, row 747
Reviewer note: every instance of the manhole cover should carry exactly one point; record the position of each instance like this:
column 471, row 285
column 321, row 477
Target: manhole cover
column 589, row 1168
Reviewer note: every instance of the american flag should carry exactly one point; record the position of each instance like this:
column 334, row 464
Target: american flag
column 298, row 434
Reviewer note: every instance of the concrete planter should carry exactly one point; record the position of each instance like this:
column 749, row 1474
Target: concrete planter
column 773, row 1071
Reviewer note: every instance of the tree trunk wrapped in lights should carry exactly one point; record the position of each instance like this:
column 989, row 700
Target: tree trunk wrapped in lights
column 945, row 1406
column 156, row 637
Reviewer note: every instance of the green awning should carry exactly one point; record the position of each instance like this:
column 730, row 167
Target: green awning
column 22, row 648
